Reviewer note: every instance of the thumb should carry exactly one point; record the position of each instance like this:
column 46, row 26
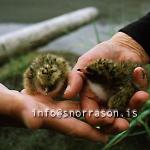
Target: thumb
column 76, row 78
column 75, row 83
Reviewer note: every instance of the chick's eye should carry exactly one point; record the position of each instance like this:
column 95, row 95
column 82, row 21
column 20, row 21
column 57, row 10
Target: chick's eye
column 53, row 70
column 44, row 72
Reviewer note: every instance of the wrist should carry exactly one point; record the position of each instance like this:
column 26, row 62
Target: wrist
column 129, row 43
column 15, row 104
column 8, row 102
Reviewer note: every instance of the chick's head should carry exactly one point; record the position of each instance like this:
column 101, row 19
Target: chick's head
column 48, row 76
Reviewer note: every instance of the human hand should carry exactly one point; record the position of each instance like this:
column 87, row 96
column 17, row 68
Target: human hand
column 20, row 105
column 119, row 47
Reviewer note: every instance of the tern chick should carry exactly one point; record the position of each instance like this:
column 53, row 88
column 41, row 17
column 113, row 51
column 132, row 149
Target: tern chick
column 112, row 82
column 47, row 75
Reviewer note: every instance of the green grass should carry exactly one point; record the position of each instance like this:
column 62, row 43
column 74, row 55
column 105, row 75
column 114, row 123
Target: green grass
column 97, row 35
column 141, row 119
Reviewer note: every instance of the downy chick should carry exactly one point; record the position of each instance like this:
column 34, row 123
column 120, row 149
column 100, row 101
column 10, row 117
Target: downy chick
column 47, row 75
column 112, row 82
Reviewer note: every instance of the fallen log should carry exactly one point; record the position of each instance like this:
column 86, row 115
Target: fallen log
column 39, row 34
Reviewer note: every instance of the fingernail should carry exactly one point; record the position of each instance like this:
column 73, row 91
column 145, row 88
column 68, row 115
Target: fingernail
column 67, row 89
column 141, row 73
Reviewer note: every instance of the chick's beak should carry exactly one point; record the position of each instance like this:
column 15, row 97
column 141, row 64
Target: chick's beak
column 82, row 70
column 46, row 91
column 85, row 72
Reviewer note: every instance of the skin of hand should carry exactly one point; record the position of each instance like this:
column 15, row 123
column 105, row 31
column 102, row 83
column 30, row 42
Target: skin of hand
column 20, row 105
column 119, row 47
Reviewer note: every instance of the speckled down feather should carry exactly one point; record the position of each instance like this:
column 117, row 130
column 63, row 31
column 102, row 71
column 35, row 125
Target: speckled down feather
column 114, row 81
column 46, row 75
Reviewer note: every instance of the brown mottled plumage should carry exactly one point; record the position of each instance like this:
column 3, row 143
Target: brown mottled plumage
column 112, row 81
column 46, row 75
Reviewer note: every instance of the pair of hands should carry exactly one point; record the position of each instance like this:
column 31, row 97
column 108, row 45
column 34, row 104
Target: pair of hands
column 119, row 48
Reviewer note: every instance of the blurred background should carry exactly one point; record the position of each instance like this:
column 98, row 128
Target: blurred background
column 17, row 14
column 28, row 11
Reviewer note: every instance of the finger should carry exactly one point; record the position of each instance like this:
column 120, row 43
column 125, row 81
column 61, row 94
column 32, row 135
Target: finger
column 77, row 128
column 75, row 82
column 119, row 125
column 76, row 78
column 138, row 99
column 140, row 77
column 68, row 105
column 92, row 106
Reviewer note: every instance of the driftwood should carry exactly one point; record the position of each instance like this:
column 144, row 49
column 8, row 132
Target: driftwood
column 36, row 35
